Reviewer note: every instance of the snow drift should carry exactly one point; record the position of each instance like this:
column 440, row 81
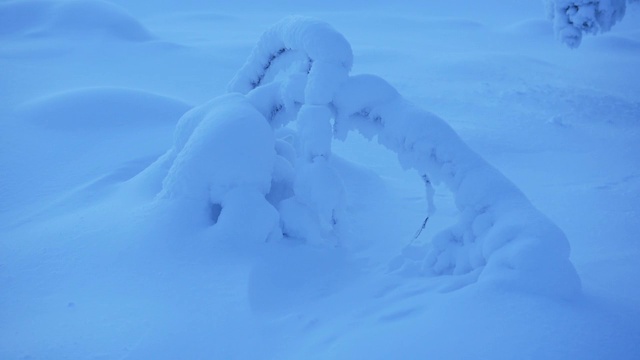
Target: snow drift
column 45, row 18
column 264, row 181
column 101, row 108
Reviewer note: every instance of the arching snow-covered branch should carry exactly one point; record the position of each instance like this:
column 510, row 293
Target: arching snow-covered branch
column 315, row 48
column 499, row 232
column 234, row 154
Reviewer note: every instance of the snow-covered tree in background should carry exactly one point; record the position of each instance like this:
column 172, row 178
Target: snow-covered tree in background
column 573, row 18
column 264, row 181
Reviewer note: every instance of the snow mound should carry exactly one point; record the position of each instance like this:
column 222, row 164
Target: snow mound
column 223, row 158
column 101, row 108
column 232, row 154
column 73, row 18
column 234, row 142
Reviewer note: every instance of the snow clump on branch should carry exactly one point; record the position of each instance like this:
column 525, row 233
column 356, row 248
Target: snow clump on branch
column 573, row 18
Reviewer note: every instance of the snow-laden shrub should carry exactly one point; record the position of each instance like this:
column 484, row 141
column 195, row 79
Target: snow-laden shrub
column 266, row 182
column 573, row 18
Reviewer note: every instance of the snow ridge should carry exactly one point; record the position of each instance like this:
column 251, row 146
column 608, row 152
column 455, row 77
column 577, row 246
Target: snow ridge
column 234, row 153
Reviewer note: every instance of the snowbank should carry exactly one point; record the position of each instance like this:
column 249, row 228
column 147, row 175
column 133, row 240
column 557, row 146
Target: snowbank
column 73, row 18
column 101, row 108
column 225, row 153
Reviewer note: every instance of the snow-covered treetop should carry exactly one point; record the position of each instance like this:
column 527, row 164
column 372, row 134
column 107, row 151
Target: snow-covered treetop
column 573, row 18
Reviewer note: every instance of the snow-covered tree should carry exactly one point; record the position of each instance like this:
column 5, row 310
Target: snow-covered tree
column 573, row 18
column 262, row 181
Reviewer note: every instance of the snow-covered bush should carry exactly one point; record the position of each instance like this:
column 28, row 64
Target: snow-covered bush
column 266, row 182
column 573, row 18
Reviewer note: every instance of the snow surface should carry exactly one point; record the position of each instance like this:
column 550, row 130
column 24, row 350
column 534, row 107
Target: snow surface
column 133, row 227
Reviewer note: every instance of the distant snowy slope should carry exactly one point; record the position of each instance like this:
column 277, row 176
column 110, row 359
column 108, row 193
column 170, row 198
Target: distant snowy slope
column 44, row 18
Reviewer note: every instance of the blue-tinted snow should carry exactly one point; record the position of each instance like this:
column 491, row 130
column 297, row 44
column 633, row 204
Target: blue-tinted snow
column 86, row 271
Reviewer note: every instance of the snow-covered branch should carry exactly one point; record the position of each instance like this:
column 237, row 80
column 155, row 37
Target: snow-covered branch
column 270, row 182
column 573, row 18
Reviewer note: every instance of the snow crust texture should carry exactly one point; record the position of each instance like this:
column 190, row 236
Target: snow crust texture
column 268, row 182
